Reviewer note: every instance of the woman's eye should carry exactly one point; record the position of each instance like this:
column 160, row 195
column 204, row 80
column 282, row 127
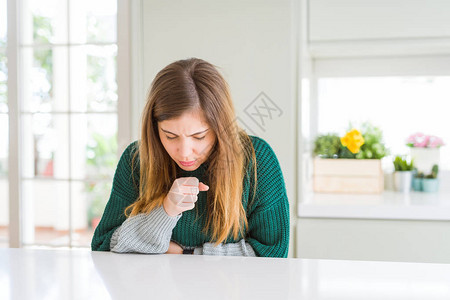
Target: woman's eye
column 197, row 138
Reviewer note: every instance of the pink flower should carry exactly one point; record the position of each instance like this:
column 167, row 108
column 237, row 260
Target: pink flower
column 435, row 142
column 421, row 140
column 412, row 138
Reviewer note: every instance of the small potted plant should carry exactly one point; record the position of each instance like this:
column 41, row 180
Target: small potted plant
column 430, row 182
column 417, row 180
column 403, row 173
column 424, row 149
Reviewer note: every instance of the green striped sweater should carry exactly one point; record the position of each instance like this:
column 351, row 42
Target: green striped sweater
column 268, row 214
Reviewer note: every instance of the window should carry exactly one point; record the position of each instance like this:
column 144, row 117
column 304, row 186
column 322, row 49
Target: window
column 67, row 98
column 4, row 189
column 400, row 106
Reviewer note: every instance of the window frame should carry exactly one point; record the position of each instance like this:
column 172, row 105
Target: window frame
column 123, row 113
column 365, row 65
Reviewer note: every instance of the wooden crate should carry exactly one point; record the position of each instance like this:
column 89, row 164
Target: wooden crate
column 362, row 176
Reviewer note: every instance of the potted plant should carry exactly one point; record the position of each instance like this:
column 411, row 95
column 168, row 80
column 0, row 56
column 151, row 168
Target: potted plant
column 349, row 164
column 403, row 173
column 417, row 180
column 430, row 182
column 327, row 146
column 424, row 149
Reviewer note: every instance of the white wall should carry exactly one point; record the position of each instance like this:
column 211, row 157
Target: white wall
column 253, row 44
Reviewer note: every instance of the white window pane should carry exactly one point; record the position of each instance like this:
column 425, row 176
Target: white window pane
column 4, row 145
column 43, row 22
column 45, row 212
column 3, row 83
column 4, row 212
column 94, row 146
column 45, row 146
column 93, row 78
column 3, row 23
column 400, row 106
column 88, row 203
column 45, row 79
column 93, row 21
column 4, row 183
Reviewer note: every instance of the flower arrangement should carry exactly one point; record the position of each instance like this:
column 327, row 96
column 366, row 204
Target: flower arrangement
column 420, row 140
column 353, row 140
column 366, row 143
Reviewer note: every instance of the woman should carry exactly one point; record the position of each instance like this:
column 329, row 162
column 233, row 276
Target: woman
column 192, row 155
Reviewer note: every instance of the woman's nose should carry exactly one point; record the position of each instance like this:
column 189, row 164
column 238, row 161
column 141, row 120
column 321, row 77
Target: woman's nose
column 185, row 149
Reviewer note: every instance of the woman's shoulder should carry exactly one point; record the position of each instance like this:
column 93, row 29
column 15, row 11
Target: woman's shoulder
column 264, row 154
column 133, row 146
column 261, row 146
column 131, row 149
column 128, row 155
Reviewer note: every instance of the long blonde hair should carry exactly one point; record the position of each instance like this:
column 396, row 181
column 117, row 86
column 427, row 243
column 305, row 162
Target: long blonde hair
column 181, row 87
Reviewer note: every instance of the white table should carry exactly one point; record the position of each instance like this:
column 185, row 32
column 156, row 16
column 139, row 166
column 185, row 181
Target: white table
column 81, row 274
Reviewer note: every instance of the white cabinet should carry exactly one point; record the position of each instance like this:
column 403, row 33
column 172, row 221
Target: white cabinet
column 365, row 28
column 411, row 227
column 335, row 20
column 374, row 240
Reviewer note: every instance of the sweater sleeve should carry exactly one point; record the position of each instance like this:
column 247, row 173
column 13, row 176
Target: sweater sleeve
column 268, row 216
column 124, row 192
column 145, row 233
column 241, row 248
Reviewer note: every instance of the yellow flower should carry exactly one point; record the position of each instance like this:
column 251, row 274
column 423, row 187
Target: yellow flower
column 353, row 140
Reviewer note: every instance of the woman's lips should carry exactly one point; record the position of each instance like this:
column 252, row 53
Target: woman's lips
column 187, row 163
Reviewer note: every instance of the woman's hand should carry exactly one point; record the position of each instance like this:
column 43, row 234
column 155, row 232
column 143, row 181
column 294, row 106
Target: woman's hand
column 183, row 195
column 174, row 248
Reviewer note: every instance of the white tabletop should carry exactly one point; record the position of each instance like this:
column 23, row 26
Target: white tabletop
column 81, row 274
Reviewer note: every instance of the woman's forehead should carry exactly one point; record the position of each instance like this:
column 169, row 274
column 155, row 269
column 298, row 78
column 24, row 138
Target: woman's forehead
column 188, row 123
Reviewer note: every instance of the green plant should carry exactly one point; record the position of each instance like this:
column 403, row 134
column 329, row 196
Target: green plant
column 101, row 160
column 419, row 175
column 373, row 147
column 327, row 146
column 401, row 164
column 434, row 172
column 330, row 145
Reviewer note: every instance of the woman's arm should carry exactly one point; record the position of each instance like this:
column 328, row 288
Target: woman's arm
column 145, row 233
column 269, row 231
column 241, row 248
column 124, row 192
column 268, row 214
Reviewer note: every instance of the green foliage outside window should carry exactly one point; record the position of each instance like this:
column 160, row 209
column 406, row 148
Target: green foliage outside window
column 101, row 160
column 101, row 151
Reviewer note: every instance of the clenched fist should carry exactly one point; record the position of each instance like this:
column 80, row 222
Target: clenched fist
column 182, row 195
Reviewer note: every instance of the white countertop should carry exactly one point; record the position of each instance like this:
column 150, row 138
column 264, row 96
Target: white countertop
column 81, row 274
column 388, row 205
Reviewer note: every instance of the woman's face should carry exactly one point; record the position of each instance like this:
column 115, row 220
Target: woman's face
column 187, row 139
